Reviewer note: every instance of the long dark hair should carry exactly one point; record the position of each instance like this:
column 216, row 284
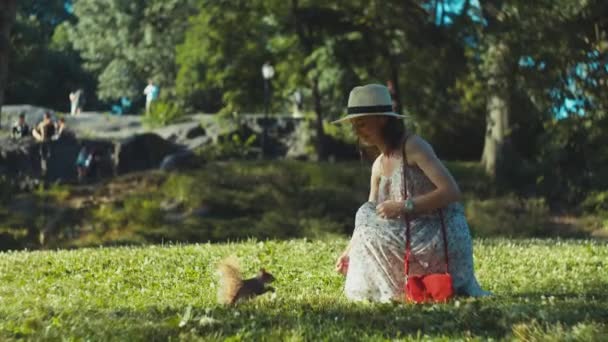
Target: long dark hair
column 393, row 133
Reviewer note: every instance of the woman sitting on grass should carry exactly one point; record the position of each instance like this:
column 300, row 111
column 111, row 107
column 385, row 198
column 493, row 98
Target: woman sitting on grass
column 375, row 254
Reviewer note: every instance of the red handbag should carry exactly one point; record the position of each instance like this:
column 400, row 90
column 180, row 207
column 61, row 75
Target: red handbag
column 434, row 287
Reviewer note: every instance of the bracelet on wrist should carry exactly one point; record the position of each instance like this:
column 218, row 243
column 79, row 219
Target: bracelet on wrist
column 408, row 205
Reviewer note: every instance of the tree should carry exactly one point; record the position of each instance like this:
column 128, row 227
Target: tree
column 529, row 48
column 38, row 37
column 8, row 9
column 220, row 59
column 228, row 42
column 317, row 30
column 58, row 67
column 126, row 42
column 402, row 42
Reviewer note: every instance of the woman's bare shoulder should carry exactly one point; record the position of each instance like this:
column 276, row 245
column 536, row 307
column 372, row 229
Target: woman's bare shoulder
column 377, row 166
column 417, row 144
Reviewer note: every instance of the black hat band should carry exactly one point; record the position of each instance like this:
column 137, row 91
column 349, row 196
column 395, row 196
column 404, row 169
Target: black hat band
column 370, row 109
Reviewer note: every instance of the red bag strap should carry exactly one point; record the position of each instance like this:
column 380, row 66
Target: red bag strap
column 407, row 222
column 444, row 233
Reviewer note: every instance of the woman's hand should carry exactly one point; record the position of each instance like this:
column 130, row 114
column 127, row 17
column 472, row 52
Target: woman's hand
column 342, row 263
column 389, row 209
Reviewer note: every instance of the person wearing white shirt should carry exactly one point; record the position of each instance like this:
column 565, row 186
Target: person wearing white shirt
column 151, row 91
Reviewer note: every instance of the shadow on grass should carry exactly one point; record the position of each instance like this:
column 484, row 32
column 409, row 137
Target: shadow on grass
column 324, row 319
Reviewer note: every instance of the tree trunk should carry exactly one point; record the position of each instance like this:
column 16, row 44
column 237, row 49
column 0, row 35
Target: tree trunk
column 8, row 10
column 307, row 46
column 320, row 132
column 497, row 118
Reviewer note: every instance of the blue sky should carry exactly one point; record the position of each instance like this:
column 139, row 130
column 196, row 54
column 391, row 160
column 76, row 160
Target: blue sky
column 454, row 7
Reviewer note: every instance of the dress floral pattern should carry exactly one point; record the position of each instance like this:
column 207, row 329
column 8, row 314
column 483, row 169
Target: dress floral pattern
column 376, row 258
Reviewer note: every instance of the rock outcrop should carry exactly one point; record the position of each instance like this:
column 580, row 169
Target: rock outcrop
column 125, row 145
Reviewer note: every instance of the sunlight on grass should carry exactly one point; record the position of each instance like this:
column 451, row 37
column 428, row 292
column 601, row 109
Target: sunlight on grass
column 161, row 292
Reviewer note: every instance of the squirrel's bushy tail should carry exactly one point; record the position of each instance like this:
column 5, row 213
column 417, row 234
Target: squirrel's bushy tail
column 231, row 280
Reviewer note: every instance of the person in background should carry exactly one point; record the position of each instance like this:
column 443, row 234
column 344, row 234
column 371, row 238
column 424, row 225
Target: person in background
column 43, row 133
column 125, row 103
column 59, row 129
column 151, row 91
column 298, row 103
column 83, row 161
column 73, row 102
column 45, row 130
column 76, row 101
column 123, row 107
column 80, row 100
column 20, row 128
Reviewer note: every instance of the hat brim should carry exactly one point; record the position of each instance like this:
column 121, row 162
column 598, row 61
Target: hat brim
column 354, row 116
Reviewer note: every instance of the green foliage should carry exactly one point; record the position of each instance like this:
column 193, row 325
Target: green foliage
column 9, row 188
column 233, row 141
column 208, row 54
column 127, row 222
column 222, row 53
column 543, row 77
column 342, row 133
column 39, row 38
column 232, row 148
column 117, row 79
column 127, row 42
column 510, row 216
column 472, row 179
column 163, row 113
column 573, row 160
column 596, row 202
column 55, row 192
column 537, row 331
column 233, row 202
column 169, row 293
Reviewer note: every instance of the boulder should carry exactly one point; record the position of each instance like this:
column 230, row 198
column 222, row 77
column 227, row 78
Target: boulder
column 181, row 160
column 21, row 160
column 33, row 114
column 141, row 152
column 19, row 157
column 180, row 132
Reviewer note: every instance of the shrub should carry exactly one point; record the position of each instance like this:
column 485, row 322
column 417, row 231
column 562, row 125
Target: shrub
column 343, row 133
column 9, row 189
column 163, row 113
column 596, row 202
column 595, row 207
column 235, row 201
column 509, row 216
column 573, row 159
column 235, row 147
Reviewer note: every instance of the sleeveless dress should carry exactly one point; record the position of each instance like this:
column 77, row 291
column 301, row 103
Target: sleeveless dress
column 376, row 258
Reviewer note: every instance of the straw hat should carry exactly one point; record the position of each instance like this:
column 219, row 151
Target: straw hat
column 370, row 99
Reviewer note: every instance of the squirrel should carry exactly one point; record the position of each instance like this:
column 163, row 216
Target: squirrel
column 233, row 287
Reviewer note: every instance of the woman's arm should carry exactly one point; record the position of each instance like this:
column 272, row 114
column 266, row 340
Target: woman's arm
column 36, row 132
column 375, row 181
column 373, row 192
column 420, row 153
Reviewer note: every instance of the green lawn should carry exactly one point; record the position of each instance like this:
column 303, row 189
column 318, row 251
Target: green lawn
column 544, row 290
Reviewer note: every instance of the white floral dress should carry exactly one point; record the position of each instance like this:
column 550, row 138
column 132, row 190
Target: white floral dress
column 376, row 258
